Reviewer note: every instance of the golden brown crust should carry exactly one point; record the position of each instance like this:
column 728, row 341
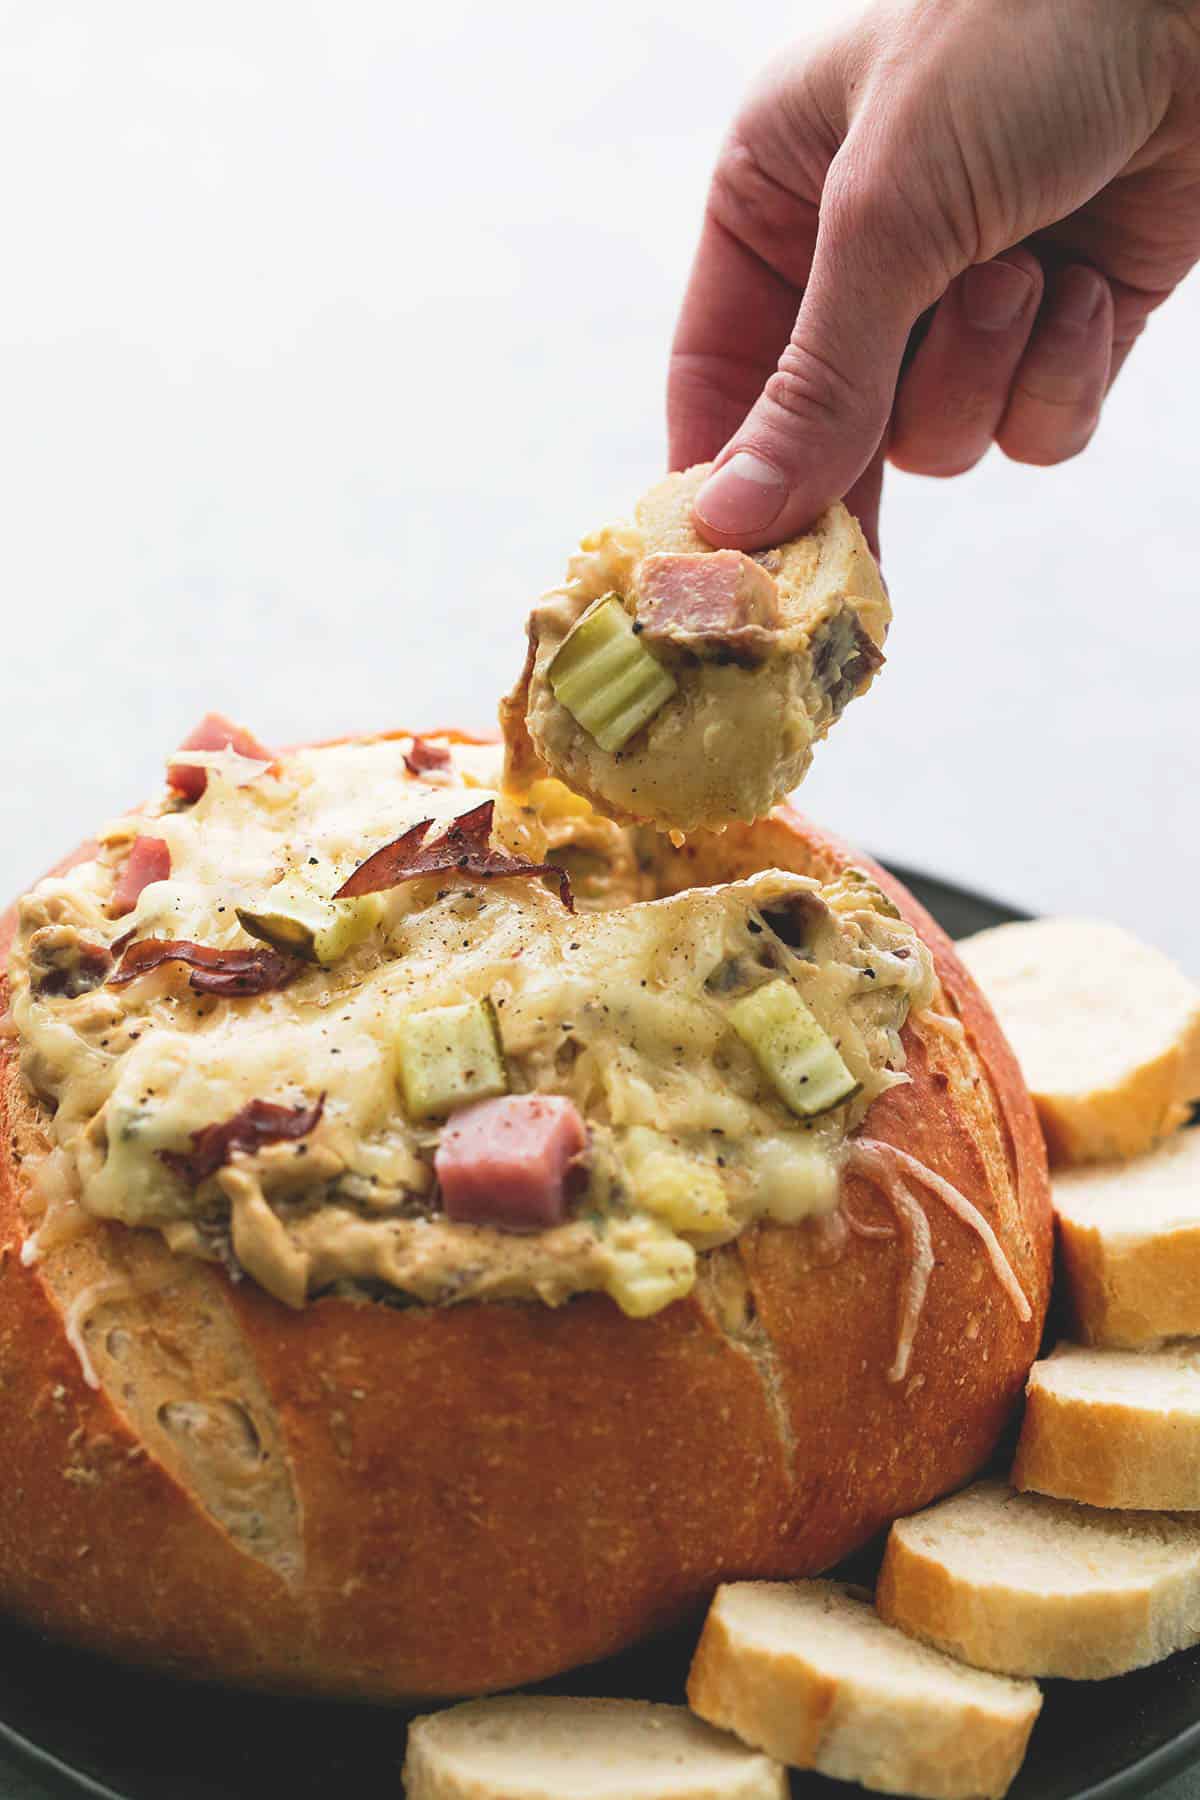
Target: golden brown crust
column 487, row 1494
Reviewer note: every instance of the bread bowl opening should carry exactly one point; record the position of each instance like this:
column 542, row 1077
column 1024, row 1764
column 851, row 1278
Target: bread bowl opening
column 350, row 1022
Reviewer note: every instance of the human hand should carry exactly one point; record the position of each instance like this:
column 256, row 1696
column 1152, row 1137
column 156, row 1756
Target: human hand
column 1030, row 169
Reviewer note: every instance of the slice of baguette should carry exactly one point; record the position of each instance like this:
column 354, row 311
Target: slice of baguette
column 1105, row 1028
column 1030, row 1586
column 1129, row 1235
column 1114, row 1428
column 808, row 1672
column 526, row 1747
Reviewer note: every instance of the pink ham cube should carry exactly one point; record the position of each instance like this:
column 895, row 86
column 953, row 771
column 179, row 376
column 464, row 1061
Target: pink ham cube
column 504, row 1162
column 214, row 732
column 149, row 860
column 713, row 595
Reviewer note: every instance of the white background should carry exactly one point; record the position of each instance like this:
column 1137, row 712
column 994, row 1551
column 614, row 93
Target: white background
column 324, row 332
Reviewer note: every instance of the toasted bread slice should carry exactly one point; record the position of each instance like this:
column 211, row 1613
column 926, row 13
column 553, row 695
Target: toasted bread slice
column 693, row 723
column 1105, row 1028
column 525, row 1747
column 1030, row 1586
column 808, row 1672
column 1114, row 1428
column 1129, row 1235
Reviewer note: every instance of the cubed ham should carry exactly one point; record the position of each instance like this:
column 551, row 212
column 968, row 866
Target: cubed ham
column 504, row 1162
column 715, row 597
column 149, row 860
column 214, row 732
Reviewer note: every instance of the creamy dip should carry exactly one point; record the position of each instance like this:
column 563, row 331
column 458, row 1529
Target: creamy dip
column 622, row 1006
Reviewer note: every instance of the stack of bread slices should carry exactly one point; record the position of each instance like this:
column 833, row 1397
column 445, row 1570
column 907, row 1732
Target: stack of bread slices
column 1085, row 1564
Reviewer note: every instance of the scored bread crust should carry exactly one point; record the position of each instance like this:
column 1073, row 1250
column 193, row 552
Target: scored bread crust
column 429, row 1503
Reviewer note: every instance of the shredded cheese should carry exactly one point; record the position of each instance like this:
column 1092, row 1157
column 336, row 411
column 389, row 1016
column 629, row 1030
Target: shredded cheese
column 914, row 1227
column 229, row 764
column 886, row 1165
column 84, row 1305
column 943, row 1022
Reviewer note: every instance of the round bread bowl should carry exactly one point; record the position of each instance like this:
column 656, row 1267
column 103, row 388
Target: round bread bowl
column 434, row 1503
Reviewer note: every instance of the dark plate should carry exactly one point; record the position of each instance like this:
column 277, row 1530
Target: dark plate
column 71, row 1724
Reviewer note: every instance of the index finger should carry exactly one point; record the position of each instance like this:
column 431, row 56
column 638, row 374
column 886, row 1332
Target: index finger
column 746, row 283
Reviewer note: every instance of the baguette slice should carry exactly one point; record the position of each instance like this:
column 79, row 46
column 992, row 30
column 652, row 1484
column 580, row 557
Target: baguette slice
column 523, row 1747
column 1105, row 1028
column 1030, row 1586
column 1114, row 1428
column 1130, row 1240
column 809, row 1673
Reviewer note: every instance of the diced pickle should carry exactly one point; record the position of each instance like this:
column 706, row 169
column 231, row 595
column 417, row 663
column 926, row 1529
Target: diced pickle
column 795, row 1053
column 449, row 1056
column 606, row 678
column 305, row 924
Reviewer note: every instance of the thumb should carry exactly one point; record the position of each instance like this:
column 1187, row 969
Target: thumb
column 822, row 414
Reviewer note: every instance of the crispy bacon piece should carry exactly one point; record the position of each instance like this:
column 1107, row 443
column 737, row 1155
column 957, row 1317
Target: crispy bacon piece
column 464, row 847
column 229, row 973
column 214, row 732
column 425, row 756
column 66, row 968
column 149, row 860
column 258, row 1123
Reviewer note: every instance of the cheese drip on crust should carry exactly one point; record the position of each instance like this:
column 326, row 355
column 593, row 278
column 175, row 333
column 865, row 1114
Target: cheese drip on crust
column 258, row 1084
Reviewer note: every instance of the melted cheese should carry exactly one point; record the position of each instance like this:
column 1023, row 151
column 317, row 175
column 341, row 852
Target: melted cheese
column 623, row 1008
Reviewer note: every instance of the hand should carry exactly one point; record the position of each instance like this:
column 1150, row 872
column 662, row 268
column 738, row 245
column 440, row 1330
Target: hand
column 1030, row 169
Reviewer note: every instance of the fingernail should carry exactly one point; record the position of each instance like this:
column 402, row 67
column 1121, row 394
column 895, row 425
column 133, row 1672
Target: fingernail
column 994, row 295
column 744, row 494
column 1078, row 296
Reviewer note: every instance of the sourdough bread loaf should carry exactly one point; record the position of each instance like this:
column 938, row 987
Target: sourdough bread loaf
column 421, row 1501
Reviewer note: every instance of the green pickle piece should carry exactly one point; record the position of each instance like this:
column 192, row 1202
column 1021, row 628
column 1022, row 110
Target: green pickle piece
column 296, row 920
column 449, row 1056
column 795, row 1053
column 606, row 678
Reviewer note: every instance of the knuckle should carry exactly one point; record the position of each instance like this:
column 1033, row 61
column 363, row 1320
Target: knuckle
column 808, row 386
column 855, row 204
column 748, row 202
column 877, row 198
